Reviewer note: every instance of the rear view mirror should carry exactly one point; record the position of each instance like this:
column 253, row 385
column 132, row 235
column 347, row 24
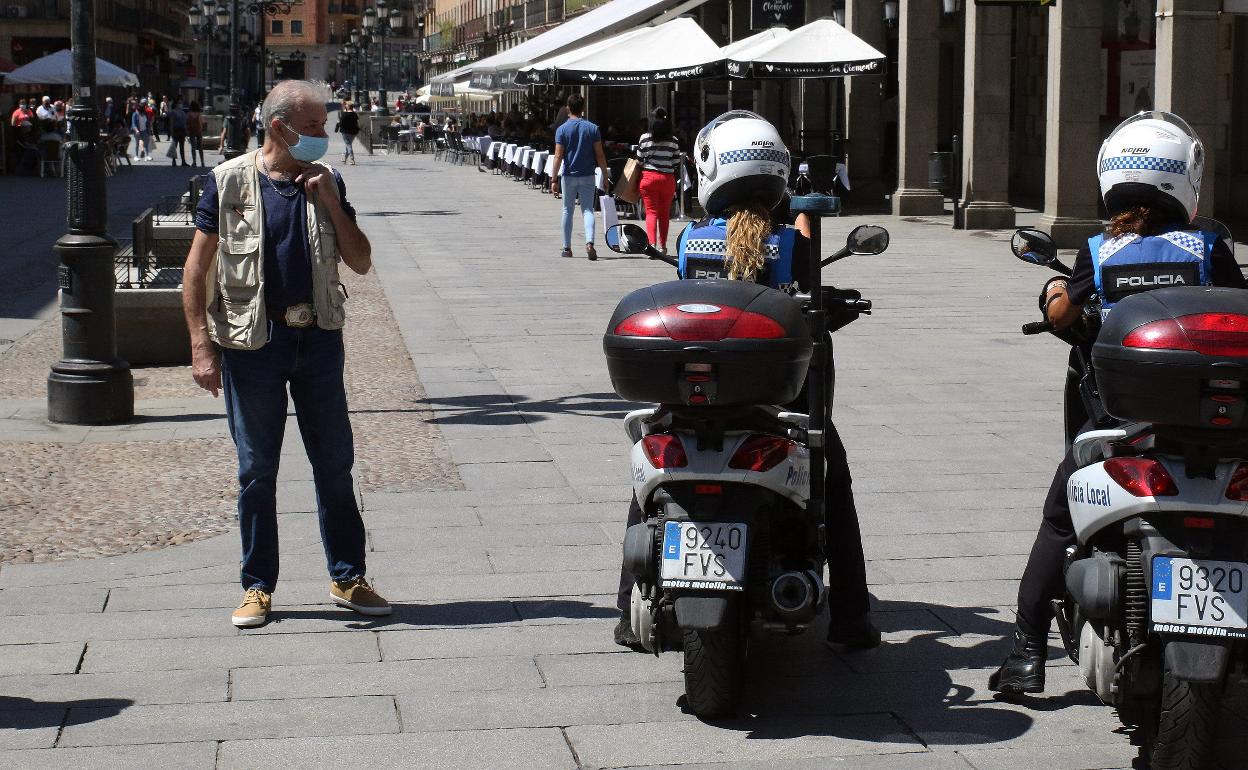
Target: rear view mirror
column 627, row 238
column 1034, row 246
column 867, row 239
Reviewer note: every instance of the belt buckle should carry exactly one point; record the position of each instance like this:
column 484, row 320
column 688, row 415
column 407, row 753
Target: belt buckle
column 300, row 316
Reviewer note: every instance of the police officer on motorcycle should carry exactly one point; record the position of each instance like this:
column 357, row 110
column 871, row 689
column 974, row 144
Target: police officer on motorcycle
column 743, row 168
column 1149, row 169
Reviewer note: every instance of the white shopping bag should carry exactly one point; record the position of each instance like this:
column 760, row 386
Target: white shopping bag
column 610, row 217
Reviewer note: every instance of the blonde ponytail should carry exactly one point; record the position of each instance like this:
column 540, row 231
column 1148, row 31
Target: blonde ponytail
column 748, row 227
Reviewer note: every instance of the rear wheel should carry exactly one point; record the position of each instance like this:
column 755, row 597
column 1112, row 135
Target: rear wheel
column 1186, row 726
column 714, row 670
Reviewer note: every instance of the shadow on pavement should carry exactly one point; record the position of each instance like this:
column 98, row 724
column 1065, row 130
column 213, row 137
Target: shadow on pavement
column 908, row 689
column 450, row 614
column 27, row 714
column 159, row 418
column 503, row 409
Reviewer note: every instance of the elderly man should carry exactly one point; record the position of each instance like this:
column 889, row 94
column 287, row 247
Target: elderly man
column 46, row 111
column 265, row 310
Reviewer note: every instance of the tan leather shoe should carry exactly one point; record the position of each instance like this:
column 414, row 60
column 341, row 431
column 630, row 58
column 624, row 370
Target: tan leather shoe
column 356, row 594
column 254, row 611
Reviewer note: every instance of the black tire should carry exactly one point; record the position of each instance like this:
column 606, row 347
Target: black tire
column 1187, row 724
column 714, row 671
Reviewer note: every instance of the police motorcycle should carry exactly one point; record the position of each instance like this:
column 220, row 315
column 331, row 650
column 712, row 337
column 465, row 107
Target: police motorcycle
column 1156, row 606
column 730, row 485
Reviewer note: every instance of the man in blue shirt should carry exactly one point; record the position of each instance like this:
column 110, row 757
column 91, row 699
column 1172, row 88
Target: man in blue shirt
column 578, row 151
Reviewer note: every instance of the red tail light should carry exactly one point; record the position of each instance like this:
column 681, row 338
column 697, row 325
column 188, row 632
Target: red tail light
column 1198, row 522
column 1210, row 334
column 1237, row 489
column 700, row 323
column 665, row 451
column 1141, row 476
column 761, row 453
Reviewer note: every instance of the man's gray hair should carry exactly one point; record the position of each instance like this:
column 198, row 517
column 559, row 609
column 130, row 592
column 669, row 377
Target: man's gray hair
column 286, row 97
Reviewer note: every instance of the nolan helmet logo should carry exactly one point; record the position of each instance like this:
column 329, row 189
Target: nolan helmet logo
column 1136, row 150
column 762, row 143
column 1149, row 282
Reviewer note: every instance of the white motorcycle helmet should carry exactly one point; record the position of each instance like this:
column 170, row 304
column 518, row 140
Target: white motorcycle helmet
column 740, row 156
column 1152, row 159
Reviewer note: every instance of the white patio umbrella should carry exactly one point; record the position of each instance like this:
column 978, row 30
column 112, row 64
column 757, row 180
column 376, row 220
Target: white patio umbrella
column 819, row 49
column 57, row 69
column 674, row 51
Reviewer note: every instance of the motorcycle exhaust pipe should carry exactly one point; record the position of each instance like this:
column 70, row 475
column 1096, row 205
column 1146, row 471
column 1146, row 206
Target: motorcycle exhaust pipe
column 795, row 596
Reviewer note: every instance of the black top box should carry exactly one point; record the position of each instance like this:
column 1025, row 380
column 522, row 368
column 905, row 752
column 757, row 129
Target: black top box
column 1176, row 357
column 708, row 343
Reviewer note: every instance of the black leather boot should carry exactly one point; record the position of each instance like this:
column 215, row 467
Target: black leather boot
column 857, row 634
column 1023, row 669
column 624, row 635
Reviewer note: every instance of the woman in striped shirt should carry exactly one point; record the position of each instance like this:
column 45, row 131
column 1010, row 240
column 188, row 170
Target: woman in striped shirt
column 660, row 157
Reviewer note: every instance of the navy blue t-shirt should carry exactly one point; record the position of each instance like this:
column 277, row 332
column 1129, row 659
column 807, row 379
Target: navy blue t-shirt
column 287, row 261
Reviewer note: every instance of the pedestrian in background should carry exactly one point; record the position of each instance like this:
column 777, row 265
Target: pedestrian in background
column 139, row 129
column 660, row 158
column 176, row 116
column 578, row 151
column 267, row 314
column 162, row 118
column 45, row 110
column 195, row 132
column 349, row 127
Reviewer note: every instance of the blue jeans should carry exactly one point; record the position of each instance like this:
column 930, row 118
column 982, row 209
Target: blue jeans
column 581, row 187
column 348, row 151
column 254, row 381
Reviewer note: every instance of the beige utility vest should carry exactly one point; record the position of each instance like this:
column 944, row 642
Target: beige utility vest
column 236, row 313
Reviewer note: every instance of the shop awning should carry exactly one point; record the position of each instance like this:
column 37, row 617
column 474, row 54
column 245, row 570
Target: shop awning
column 602, row 22
column 463, row 88
column 675, row 50
column 57, row 69
column 819, row 49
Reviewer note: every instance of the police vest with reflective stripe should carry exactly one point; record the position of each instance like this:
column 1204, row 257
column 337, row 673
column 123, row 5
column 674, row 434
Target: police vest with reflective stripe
column 1133, row 263
column 704, row 245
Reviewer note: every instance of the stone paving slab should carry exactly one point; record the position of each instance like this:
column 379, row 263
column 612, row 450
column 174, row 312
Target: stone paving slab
column 51, row 658
column 152, row 687
column 542, row 749
column 761, row 741
column 284, row 718
column 388, row 677
column 166, row 756
column 228, row 652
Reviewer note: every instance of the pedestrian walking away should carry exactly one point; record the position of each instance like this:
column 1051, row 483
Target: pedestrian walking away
column 177, row 132
column 264, row 306
column 578, row 152
column 660, row 157
column 349, row 127
column 195, row 133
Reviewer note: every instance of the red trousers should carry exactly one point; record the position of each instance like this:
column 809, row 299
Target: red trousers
column 657, row 192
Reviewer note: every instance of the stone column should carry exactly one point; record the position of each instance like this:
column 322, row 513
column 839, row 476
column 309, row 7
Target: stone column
column 863, row 123
column 986, row 120
column 918, row 77
column 1072, row 124
column 1187, row 69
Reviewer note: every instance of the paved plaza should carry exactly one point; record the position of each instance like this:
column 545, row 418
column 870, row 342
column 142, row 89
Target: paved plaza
column 502, row 559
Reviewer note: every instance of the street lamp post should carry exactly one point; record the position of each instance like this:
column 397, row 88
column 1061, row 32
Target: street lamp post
column 89, row 385
column 205, row 22
column 234, row 121
column 378, row 25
